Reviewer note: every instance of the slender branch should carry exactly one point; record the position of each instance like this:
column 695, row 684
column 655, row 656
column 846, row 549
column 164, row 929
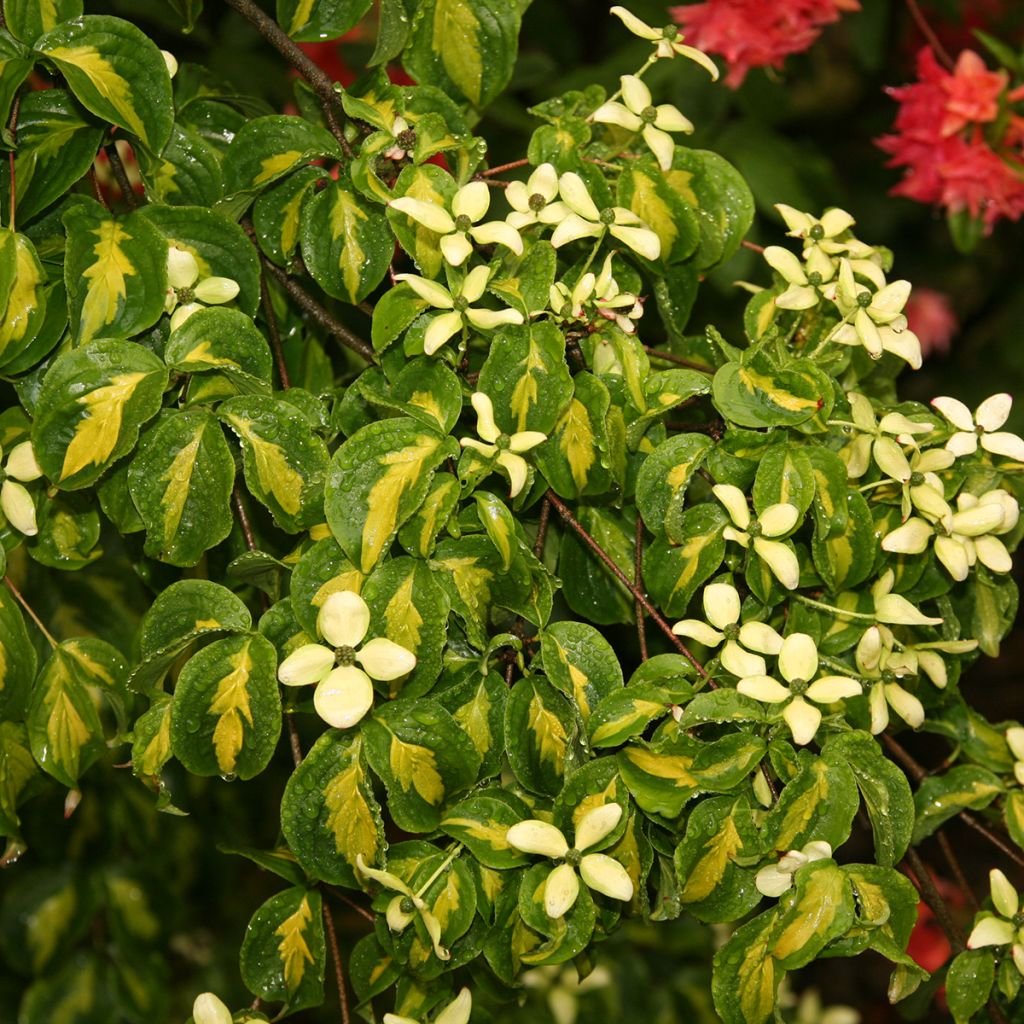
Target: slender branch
column 925, row 885
column 641, row 626
column 349, row 902
column 501, row 168
column 339, row 972
column 293, row 739
column 671, row 357
column 929, row 34
column 274, row 329
column 566, row 513
column 28, row 608
column 123, row 181
column 752, row 246
column 12, row 129
column 542, row 527
column 958, row 872
column 243, row 519
column 328, row 322
column 319, row 80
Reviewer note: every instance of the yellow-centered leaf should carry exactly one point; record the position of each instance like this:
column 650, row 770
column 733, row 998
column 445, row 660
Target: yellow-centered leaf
column 106, row 288
column 414, row 766
column 96, row 433
column 231, row 704
column 293, row 948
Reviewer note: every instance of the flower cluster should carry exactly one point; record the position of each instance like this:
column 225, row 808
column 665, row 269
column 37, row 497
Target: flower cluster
column 753, row 34
column 1004, row 927
column 957, row 148
column 188, row 291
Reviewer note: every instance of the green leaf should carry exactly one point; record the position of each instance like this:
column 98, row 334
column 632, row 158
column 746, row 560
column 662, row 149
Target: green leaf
column 18, row 660
column 646, row 190
column 663, row 391
column 92, row 403
column 1013, row 815
column 845, row 560
column 15, row 65
column 222, row 341
column 831, row 507
column 392, row 32
column 886, row 792
column 56, row 146
column 673, row 572
column 940, row 797
column 115, row 71
column 481, row 822
column 785, row 476
column 179, row 615
column 180, row 480
column 720, row 832
column 188, row 11
column 467, row 47
column 329, row 815
column 539, row 732
column 76, row 992
column 226, row 716
column 758, row 396
column 17, row 768
column 377, row 479
column 29, row 19
column 268, row 148
column 313, row 21
column 819, row 803
column 419, row 533
column 720, row 705
column 283, row 953
column 151, row 739
column 746, row 977
column 581, row 663
column 662, row 480
column 63, row 721
column 627, row 712
column 477, row 703
column 186, row 172
column 277, row 214
column 566, row 936
column 346, row 243
column 425, row 389
column 590, row 589
column 115, row 271
column 969, row 982
column 819, row 910
column 285, row 462
column 423, row 757
column 25, row 309
column 69, row 532
column 393, row 312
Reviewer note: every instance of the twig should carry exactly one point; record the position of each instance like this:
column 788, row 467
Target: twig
column 641, row 625
column 752, row 246
column 671, row 357
column 123, row 181
column 329, row 323
column 243, row 519
column 501, row 168
column 339, row 972
column 542, row 527
column 274, row 330
column 929, row 34
column 566, row 513
column 12, row 129
column 349, row 902
column 28, row 608
column 925, row 885
column 293, row 739
column 958, row 872
column 320, row 81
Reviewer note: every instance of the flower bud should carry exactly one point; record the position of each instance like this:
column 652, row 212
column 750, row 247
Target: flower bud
column 1004, row 896
column 19, row 508
column 208, row 1009
column 170, row 61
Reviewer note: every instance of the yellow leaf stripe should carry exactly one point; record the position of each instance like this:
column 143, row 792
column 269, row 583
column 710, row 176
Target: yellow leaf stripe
column 202, row 354
column 106, row 289
column 303, row 10
column 178, row 477
column 24, row 298
column 274, row 473
column 549, row 733
column 97, row 432
column 231, row 704
column 414, row 766
column 345, row 219
column 348, row 814
column 524, row 394
column 577, row 442
column 709, row 869
column 293, row 948
column 455, row 41
column 274, row 165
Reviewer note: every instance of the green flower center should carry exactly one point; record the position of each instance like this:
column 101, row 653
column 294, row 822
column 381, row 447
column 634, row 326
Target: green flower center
column 345, row 655
column 755, row 529
column 814, row 278
column 607, row 216
column 461, row 303
column 537, row 202
column 732, row 631
column 916, row 479
column 406, row 139
column 185, row 295
column 1018, row 919
column 670, row 31
column 572, row 858
column 888, row 676
column 406, row 906
column 463, row 223
column 798, row 687
column 648, row 115
column 864, row 299
column 503, row 442
column 817, row 232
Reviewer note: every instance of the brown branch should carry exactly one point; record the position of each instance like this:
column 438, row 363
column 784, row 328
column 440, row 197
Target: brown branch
column 958, row 872
column 566, row 513
column 97, row 189
column 317, row 312
column 243, row 519
column 929, row 34
column 293, row 739
column 752, row 246
column 542, row 527
column 28, row 608
column 319, row 80
column 925, row 885
column 274, row 329
column 641, row 625
column 339, row 972
column 123, row 181
column 501, row 168
column 341, row 897
column 671, row 357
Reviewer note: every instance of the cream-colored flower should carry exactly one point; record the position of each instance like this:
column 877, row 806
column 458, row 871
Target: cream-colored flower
column 775, row 879
column 209, row 1009
column 774, row 521
column 461, row 311
column 534, row 201
column 186, row 293
column 819, row 233
column 798, row 666
column 668, row 41
column 505, row 449
column 600, row 872
column 585, row 220
column 343, row 672
column 1015, row 741
column 1003, row 928
column 637, row 113
column 15, row 501
column 868, row 430
column 600, row 291
column 469, row 206
column 722, row 612
column 921, row 487
column 872, row 655
column 456, row 1012
column 982, row 427
column 805, row 280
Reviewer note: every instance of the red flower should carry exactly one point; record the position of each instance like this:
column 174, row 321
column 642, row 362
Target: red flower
column 930, row 316
column 973, row 93
column 752, row 33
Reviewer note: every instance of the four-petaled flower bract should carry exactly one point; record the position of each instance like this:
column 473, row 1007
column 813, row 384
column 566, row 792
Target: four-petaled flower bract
column 775, row 521
column 599, row 871
column 469, row 205
column 798, row 666
column 186, row 293
column 534, row 201
column 668, row 41
column 343, row 672
column 456, row 1012
column 462, row 313
column 805, row 280
column 15, row 501
column 870, row 431
column 775, row 879
column 1004, row 927
column 982, row 427
column 637, row 113
column 506, row 449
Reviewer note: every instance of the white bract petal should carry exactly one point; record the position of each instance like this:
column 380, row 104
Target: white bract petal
column 437, row 295
column 485, row 425
column 597, row 824
column 19, row 508
column 721, row 604
column 22, row 463
column 574, row 227
column 991, row 931
column 635, row 93
column 343, row 698
column 773, row 881
column 488, row 319
column 781, row 559
column 306, row 665
column 641, row 240
column 496, row 232
column 879, row 709
column 540, row 837
column 216, row 290
column 993, row 412
column 517, row 469
column 896, row 610
column 905, row 704
column 671, row 119
column 472, row 200
column 803, row 720
column 735, row 503
column 954, row 556
column 543, row 182
column 955, row 411
column 384, row 878
column 829, row 689
column 741, row 663
column 992, row 554
column 385, row 660
column 209, row 1009
column 962, row 444
column 764, row 689
column 1008, row 445
column 699, row 631
column 635, row 25
column 182, row 313
column 617, row 114
column 760, row 637
column 456, row 248
column 458, row 1010
column 397, row 918
column 890, row 459
column 663, row 147
column 182, row 268
column 560, row 890
column 573, row 190
column 777, row 520
column 1015, row 741
column 909, row 539
column 786, row 263
column 171, row 63
column 607, row 876
column 441, row 328
column 430, row 215
column 525, row 440
column 343, row 619
column 1004, row 895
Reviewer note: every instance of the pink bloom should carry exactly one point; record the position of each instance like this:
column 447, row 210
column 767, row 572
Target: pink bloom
column 930, row 316
column 756, row 33
column 973, row 93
